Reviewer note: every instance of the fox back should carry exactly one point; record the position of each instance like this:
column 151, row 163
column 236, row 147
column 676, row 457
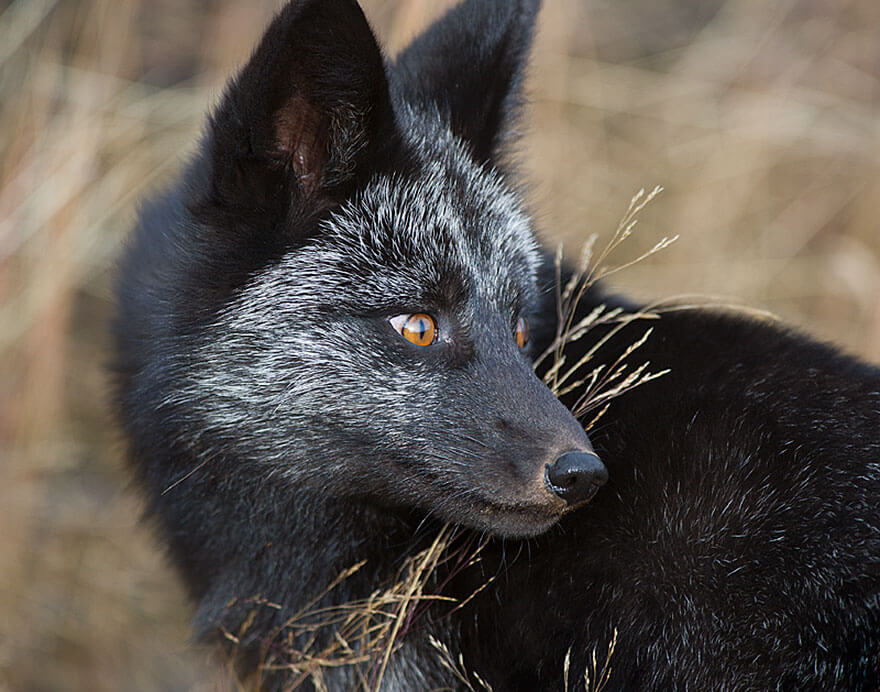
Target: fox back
column 325, row 335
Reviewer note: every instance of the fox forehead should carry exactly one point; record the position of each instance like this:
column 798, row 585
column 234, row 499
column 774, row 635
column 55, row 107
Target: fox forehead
column 450, row 222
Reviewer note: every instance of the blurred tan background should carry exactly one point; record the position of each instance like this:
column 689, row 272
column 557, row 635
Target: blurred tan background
column 761, row 119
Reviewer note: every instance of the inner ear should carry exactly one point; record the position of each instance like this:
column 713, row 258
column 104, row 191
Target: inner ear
column 307, row 113
column 303, row 137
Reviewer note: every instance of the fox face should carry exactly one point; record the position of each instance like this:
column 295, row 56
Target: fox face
column 366, row 280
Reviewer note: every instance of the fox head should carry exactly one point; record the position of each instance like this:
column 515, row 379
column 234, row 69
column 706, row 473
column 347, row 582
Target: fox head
column 353, row 277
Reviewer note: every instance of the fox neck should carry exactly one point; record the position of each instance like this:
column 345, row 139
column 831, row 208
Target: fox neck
column 259, row 555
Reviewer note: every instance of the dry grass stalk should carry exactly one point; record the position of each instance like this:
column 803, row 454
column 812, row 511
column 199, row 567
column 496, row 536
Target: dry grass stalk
column 362, row 634
column 457, row 667
column 596, row 681
column 604, row 381
column 595, row 678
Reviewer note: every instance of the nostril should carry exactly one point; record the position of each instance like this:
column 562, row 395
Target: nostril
column 576, row 476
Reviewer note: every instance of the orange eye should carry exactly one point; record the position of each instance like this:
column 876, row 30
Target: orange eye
column 419, row 329
column 521, row 332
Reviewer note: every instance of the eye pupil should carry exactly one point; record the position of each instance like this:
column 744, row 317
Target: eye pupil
column 419, row 329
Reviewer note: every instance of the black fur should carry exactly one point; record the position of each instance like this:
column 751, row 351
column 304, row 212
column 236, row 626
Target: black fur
column 483, row 104
column 737, row 545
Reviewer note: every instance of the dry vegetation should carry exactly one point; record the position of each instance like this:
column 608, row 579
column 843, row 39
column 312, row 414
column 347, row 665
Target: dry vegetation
column 761, row 120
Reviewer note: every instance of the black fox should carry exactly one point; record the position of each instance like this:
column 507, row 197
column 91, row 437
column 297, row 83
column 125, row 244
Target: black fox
column 325, row 337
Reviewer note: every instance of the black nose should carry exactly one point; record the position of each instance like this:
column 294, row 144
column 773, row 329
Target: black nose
column 576, row 476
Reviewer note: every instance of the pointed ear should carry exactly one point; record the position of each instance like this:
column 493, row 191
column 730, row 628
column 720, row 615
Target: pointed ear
column 470, row 66
column 305, row 115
